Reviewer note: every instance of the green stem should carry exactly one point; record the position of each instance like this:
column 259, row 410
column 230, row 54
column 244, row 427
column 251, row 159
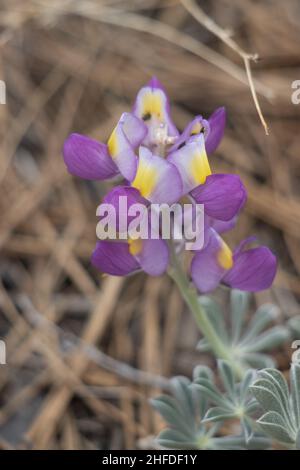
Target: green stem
column 189, row 293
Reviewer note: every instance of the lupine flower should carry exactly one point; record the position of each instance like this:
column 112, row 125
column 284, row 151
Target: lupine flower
column 120, row 258
column 127, row 256
column 212, row 129
column 245, row 269
column 159, row 165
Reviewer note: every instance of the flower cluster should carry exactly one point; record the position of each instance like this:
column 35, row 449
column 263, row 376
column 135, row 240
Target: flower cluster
column 157, row 164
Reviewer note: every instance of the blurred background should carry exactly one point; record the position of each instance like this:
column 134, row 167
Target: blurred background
column 85, row 352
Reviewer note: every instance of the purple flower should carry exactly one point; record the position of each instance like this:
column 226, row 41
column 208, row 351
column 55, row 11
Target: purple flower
column 212, row 129
column 251, row 269
column 120, row 258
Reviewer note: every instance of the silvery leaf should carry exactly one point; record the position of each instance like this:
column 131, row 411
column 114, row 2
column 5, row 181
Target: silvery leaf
column 258, row 360
column 210, row 392
column 266, row 395
column 168, row 409
column 227, row 377
column 215, row 315
column 269, row 340
column 184, row 396
column 246, row 382
column 280, row 384
column 239, row 302
column 295, row 391
column 174, row 439
column 218, row 414
column 247, row 429
column 274, row 425
column 264, row 315
column 297, row 442
column 204, row 372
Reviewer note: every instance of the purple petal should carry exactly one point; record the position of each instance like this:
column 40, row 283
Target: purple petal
column 210, row 264
column 157, row 179
column 154, row 257
column 253, row 270
column 222, row 195
column 121, row 198
column 87, row 158
column 217, row 123
column 192, row 163
column 113, row 257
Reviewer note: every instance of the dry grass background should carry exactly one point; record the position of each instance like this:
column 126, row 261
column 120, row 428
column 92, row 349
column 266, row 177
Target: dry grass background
column 85, row 353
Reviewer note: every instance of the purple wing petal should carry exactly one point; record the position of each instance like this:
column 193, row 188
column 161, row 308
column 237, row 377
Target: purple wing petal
column 112, row 257
column 121, row 198
column 87, row 158
column 222, row 195
column 157, row 179
column 192, row 163
column 210, row 264
column 154, row 257
column 217, row 123
column 253, row 270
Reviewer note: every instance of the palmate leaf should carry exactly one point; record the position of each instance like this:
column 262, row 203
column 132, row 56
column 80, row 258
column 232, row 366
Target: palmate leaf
column 234, row 402
column 185, row 409
column 247, row 340
column 198, row 373
column 193, row 420
column 174, row 416
column 281, row 418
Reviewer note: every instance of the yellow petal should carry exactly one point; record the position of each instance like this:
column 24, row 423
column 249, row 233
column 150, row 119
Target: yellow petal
column 225, row 256
column 199, row 166
column 113, row 143
column 145, row 178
